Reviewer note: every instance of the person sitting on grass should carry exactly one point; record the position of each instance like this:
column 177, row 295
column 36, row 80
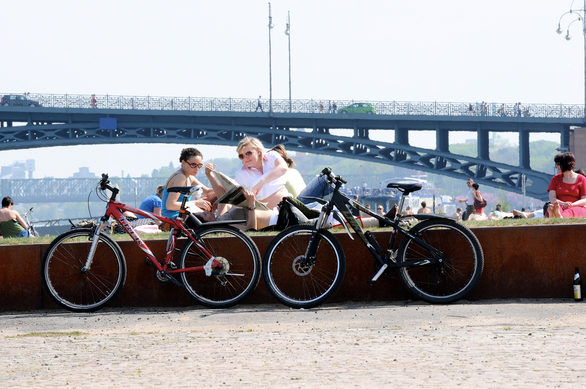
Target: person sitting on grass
column 567, row 189
column 12, row 225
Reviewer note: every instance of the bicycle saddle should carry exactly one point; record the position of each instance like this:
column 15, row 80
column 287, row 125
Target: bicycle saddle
column 405, row 188
column 184, row 189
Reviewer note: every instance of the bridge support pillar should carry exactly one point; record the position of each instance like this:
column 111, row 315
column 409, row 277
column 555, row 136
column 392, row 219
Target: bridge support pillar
column 482, row 145
column 402, row 136
column 565, row 139
column 524, row 155
column 442, row 140
column 578, row 146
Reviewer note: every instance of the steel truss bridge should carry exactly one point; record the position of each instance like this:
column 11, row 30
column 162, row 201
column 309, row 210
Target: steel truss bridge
column 301, row 125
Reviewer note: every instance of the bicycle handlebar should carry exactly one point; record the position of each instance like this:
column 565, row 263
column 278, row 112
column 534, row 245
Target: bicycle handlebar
column 105, row 184
column 327, row 172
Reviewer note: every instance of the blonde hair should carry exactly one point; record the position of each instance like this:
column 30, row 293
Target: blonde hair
column 255, row 143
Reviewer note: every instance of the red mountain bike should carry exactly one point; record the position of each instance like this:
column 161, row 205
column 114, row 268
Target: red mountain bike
column 219, row 265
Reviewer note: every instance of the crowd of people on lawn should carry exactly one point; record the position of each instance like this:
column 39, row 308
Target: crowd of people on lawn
column 269, row 176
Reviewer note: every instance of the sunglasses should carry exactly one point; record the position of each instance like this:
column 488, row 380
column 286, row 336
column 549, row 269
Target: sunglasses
column 247, row 155
column 194, row 165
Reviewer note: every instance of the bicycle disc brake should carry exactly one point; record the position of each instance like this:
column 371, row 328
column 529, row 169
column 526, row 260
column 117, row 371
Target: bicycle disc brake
column 300, row 268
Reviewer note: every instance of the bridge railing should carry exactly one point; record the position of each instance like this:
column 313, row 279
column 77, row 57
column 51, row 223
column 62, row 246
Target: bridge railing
column 316, row 106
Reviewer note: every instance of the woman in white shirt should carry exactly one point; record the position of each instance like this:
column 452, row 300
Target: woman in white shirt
column 263, row 173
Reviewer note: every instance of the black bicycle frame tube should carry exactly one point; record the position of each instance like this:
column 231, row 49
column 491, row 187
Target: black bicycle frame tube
column 341, row 202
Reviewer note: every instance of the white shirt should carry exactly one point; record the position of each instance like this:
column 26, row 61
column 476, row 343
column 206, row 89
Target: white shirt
column 249, row 177
column 470, row 199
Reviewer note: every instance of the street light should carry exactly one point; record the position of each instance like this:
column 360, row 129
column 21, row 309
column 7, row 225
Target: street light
column 288, row 33
column 270, row 62
column 575, row 15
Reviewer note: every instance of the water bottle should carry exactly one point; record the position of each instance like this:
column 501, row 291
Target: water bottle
column 577, row 286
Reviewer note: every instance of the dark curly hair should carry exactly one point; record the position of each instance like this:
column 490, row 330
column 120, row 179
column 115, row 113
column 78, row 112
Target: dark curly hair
column 566, row 161
column 189, row 152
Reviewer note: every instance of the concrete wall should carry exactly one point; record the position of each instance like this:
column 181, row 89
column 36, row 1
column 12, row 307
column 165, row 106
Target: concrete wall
column 520, row 262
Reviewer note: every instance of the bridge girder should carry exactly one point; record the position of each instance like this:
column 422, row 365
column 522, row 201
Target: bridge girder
column 319, row 141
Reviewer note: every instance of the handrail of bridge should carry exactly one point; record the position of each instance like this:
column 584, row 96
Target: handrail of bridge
column 316, row 106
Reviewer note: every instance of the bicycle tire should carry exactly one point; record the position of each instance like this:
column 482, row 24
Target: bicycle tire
column 80, row 291
column 296, row 287
column 240, row 254
column 456, row 275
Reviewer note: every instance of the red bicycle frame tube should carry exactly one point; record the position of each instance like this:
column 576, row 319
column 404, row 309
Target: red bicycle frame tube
column 115, row 210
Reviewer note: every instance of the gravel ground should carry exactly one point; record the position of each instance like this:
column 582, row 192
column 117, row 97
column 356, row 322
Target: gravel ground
column 488, row 344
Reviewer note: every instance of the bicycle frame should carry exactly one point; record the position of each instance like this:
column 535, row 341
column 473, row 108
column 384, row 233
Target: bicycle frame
column 115, row 210
column 386, row 259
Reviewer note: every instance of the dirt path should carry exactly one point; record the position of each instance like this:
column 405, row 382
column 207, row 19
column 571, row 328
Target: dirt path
column 496, row 344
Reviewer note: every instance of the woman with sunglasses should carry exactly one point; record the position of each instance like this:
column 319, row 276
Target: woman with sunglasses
column 191, row 161
column 263, row 173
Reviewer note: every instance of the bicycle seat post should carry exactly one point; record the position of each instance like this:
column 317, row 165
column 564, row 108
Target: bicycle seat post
column 401, row 203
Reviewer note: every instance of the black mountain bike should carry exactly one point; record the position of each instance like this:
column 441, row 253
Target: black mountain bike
column 438, row 259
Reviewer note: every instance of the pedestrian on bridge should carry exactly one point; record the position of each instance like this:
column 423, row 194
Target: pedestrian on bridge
column 259, row 105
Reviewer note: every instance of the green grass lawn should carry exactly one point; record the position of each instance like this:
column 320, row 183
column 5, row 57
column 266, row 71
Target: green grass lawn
column 471, row 224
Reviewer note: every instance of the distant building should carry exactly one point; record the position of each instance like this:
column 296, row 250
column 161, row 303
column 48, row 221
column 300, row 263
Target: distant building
column 18, row 170
column 84, row 172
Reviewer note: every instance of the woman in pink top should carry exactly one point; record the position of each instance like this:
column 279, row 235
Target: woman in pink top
column 567, row 190
column 263, row 173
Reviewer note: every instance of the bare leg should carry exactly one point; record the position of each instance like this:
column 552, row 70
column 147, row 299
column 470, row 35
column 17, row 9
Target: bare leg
column 554, row 210
column 218, row 188
column 519, row 213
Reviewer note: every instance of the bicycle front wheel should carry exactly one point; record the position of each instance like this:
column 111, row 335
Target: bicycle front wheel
column 238, row 275
column 295, row 283
column 457, row 272
column 81, row 290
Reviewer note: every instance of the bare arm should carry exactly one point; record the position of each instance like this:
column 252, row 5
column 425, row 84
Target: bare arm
column 552, row 196
column 20, row 220
column 280, row 169
column 173, row 202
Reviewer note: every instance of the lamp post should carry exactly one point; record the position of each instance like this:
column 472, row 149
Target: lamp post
column 288, row 33
column 572, row 16
column 270, row 63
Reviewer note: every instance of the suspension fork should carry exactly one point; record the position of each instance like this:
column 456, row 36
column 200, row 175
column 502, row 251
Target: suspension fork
column 315, row 239
column 95, row 239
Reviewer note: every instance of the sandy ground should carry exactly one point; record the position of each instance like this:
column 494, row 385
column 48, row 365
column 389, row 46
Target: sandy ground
column 494, row 344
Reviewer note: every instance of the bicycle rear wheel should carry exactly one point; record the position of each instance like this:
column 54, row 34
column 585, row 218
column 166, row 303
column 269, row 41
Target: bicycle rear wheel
column 457, row 273
column 291, row 283
column 77, row 290
column 240, row 270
